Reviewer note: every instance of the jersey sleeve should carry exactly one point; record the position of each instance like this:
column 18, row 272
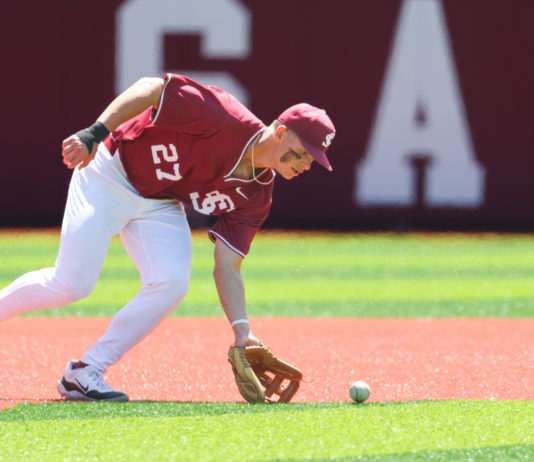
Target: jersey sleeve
column 189, row 107
column 238, row 228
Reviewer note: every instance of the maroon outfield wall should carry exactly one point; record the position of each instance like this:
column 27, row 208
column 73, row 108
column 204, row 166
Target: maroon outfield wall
column 433, row 101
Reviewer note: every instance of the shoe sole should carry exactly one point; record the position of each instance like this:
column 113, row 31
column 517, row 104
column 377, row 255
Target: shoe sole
column 74, row 395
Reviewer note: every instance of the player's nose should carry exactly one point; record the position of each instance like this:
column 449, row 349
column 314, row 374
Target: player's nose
column 305, row 164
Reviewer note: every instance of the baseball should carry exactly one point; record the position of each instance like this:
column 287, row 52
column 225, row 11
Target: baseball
column 359, row 391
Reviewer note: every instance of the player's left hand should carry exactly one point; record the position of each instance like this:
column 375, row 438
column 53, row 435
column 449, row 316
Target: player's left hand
column 261, row 376
column 252, row 340
column 75, row 153
column 244, row 336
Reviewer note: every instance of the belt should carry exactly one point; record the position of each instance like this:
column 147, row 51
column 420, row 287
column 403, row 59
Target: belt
column 111, row 144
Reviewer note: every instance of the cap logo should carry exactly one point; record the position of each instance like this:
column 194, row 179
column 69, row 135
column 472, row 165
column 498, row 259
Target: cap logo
column 328, row 140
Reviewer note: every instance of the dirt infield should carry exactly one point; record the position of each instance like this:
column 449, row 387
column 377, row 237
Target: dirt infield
column 185, row 359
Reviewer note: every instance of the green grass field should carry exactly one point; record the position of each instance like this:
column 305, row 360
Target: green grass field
column 374, row 275
column 384, row 275
column 428, row 430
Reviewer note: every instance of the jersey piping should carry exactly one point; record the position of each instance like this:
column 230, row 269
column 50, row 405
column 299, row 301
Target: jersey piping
column 226, row 242
column 153, row 119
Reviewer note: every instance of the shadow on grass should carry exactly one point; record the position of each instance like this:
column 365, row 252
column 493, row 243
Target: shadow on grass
column 486, row 454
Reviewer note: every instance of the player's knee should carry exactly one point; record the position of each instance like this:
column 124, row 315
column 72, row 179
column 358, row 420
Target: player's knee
column 177, row 288
column 72, row 286
column 76, row 290
column 172, row 287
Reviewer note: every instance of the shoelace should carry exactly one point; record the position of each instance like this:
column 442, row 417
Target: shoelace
column 97, row 378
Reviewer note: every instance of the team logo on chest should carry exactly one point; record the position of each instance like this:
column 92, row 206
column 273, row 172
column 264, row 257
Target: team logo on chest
column 212, row 201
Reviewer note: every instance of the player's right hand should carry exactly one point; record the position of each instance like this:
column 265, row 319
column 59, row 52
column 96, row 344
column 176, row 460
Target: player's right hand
column 75, row 153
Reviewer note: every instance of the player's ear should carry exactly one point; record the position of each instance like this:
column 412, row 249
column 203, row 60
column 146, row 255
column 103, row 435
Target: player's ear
column 280, row 131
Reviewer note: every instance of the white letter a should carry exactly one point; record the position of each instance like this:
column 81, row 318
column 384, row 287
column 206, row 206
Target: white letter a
column 420, row 116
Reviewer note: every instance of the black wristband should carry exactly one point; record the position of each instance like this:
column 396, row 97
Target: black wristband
column 94, row 134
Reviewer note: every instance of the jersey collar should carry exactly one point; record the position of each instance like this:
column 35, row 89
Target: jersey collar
column 228, row 176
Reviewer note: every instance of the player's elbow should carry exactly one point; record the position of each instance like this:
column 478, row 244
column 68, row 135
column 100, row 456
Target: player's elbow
column 225, row 273
column 221, row 271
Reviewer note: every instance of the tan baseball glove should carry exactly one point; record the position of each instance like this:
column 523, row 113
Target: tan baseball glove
column 260, row 374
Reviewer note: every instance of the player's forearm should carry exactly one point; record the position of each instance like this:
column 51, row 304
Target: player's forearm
column 231, row 292
column 229, row 283
column 140, row 96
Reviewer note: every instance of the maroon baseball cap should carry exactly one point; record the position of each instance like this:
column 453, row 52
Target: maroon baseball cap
column 314, row 128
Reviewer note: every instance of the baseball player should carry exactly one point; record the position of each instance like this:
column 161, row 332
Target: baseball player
column 163, row 143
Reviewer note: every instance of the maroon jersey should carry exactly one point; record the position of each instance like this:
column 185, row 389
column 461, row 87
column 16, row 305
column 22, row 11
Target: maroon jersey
column 189, row 148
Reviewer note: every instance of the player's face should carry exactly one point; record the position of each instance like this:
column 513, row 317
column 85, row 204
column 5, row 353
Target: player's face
column 294, row 159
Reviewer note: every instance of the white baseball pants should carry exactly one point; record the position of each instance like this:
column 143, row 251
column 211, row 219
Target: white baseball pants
column 102, row 203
